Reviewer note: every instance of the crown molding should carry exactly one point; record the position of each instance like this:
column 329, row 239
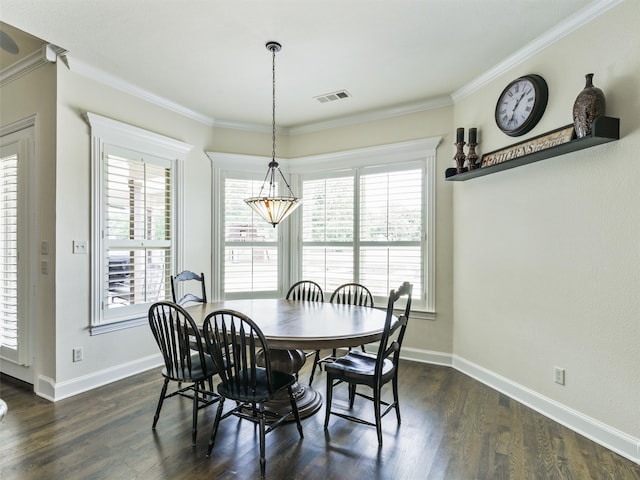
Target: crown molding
column 366, row 156
column 251, row 127
column 100, row 76
column 574, row 22
column 47, row 54
column 93, row 73
column 374, row 115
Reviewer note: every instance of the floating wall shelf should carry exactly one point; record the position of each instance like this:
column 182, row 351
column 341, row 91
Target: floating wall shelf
column 605, row 129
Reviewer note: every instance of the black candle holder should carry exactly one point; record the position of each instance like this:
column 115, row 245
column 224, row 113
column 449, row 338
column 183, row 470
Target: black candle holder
column 472, row 156
column 460, row 157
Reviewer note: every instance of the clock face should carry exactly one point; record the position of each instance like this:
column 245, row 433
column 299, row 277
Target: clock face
column 521, row 105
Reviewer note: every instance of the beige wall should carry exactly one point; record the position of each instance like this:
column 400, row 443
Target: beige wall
column 547, row 256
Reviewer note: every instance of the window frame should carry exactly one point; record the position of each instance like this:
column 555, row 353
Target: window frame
column 384, row 158
column 248, row 167
column 107, row 133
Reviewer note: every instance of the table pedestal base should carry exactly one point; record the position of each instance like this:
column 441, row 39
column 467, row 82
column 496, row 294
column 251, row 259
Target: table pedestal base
column 308, row 399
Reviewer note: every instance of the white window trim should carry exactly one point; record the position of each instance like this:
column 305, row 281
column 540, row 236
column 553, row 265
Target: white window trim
column 424, row 151
column 108, row 131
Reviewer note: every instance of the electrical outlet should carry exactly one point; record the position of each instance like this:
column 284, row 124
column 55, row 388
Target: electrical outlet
column 77, row 354
column 559, row 375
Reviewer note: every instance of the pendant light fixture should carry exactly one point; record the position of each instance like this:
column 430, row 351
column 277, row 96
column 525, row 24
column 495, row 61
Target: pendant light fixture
column 271, row 207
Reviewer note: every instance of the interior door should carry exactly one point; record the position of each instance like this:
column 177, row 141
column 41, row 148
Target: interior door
column 16, row 157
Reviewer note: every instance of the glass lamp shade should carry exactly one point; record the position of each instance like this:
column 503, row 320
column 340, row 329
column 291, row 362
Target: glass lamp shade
column 273, row 209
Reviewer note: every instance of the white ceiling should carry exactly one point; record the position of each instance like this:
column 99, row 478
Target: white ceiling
column 209, row 56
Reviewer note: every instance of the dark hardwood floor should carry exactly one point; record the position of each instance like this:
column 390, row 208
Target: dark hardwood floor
column 453, row 427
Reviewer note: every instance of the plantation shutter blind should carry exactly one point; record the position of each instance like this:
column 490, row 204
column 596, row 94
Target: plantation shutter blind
column 328, row 231
column 9, row 298
column 138, row 230
column 251, row 247
column 391, row 210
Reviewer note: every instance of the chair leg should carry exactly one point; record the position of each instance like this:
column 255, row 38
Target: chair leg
column 352, row 394
column 376, row 407
column 163, row 392
column 194, row 427
column 294, row 408
column 327, row 402
column 216, row 424
column 396, row 398
column 316, row 359
column 263, row 460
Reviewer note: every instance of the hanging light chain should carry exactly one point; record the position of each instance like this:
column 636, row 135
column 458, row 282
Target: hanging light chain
column 273, row 208
column 274, row 49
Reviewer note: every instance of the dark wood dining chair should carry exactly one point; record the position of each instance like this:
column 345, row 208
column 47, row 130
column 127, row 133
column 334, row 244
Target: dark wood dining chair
column 186, row 276
column 352, row 294
column 185, row 361
column 349, row 294
column 374, row 371
column 308, row 291
column 241, row 354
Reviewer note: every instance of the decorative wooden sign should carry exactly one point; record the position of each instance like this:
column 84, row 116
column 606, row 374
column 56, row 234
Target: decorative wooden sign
column 536, row 144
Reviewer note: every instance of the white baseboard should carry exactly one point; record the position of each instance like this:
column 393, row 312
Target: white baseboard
column 45, row 387
column 426, row 356
column 608, row 437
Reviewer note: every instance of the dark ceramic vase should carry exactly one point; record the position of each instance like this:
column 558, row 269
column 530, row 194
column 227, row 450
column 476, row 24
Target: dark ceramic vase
column 589, row 105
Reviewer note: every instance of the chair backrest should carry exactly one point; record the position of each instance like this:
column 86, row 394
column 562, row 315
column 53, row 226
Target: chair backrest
column 177, row 336
column 239, row 350
column 393, row 334
column 306, row 290
column 352, row 294
column 189, row 297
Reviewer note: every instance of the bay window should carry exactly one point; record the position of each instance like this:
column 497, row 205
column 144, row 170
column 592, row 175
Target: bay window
column 367, row 216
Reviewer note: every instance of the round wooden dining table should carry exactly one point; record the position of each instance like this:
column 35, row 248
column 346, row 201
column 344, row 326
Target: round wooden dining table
column 292, row 327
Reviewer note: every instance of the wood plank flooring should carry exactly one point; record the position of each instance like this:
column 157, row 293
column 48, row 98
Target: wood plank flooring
column 453, row 428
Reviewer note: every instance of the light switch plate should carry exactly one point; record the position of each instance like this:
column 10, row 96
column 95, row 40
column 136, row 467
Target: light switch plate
column 79, row 246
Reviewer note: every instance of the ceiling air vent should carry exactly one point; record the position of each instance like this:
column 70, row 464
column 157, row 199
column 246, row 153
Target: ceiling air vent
column 330, row 97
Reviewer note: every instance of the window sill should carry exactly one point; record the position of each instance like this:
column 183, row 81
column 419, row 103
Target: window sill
column 422, row 315
column 121, row 325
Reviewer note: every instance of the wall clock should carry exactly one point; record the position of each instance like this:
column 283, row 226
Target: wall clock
column 521, row 105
